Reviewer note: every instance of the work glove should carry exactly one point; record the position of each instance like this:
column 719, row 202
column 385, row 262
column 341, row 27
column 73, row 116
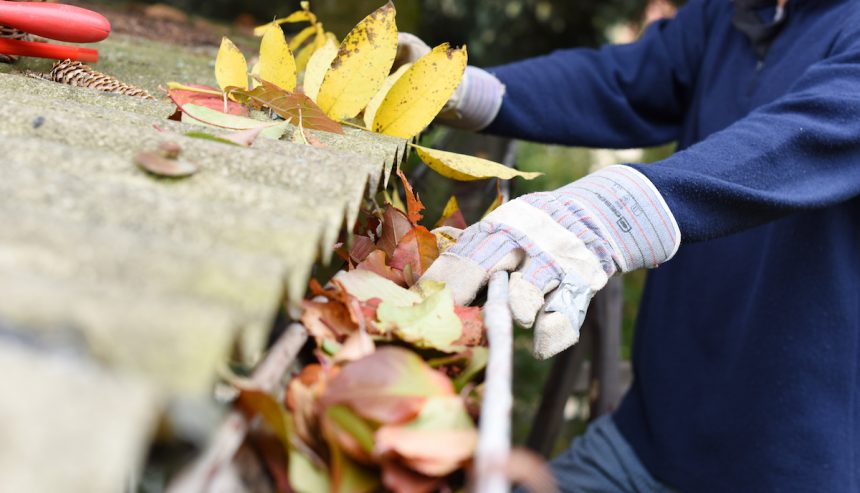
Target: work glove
column 562, row 247
column 476, row 101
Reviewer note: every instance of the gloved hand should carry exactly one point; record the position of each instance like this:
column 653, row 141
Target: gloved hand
column 476, row 101
column 562, row 247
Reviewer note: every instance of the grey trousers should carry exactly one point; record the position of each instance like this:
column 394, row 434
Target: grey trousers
column 601, row 461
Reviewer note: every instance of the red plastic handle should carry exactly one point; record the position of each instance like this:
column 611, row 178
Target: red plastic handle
column 47, row 50
column 55, row 21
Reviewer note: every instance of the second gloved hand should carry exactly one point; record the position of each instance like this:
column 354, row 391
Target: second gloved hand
column 476, row 101
column 562, row 247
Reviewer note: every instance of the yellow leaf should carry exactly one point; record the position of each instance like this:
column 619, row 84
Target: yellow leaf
column 373, row 105
column 421, row 93
column 231, row 69
column 317, row 67
column 361, row 66
column 299, row 39
column 306, row 52
column 183, row 87
column 255, row 74
column 277, row 64
column 467, row 168
column 304, row 15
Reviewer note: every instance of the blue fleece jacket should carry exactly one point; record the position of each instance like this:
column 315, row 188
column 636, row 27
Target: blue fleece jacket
column 747, row 350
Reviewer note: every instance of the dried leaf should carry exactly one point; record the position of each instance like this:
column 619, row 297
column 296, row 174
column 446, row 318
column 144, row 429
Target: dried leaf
column 183, row 95
column 361, row 66
column 277, row 64
column 302, row 394
column 399, row 479
column 379, row 97
column 413, row 203
column 417, row 250
column 156, row 164
column 415, row 100
column 366, row 285
column 362, row 246
column 317, row 67
column 497, row 202
column 376, row 262
column 429, row 324
column 473, row 326
column 389, row 386
column 356, row 346
column 328, row 320
column 452, row 215
column 395, row 225
column 467, row 168
column 438, row 442
column 294, row 107
column 253, row 401
column 231, row 69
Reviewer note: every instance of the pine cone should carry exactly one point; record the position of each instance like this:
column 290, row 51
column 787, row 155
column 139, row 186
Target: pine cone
column 80, row 75
column 12, row 33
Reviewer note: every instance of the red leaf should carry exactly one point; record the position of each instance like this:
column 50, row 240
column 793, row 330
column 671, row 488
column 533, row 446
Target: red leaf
column 388, row 386
column 362, row 246
column 452, row 216
column 413, row 203
column 417, row 251
column 302, row 400
column 395, row 225
column 375, row 262
column 182, row 97
column 292, row 106
column 473, row 326
column 399, row 479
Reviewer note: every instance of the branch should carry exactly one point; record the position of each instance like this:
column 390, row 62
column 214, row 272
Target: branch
column 494, row 443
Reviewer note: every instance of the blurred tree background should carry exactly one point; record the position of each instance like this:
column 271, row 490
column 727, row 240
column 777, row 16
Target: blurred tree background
column 496, row 32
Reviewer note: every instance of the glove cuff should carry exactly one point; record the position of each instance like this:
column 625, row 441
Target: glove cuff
column 629, row 213
column 476, row 101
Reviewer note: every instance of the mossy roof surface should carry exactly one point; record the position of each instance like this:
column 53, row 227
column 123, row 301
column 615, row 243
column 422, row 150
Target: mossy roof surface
column 146, row 285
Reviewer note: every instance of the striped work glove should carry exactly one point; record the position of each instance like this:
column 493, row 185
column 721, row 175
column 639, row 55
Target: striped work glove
column 562, row 247
column 476, row 101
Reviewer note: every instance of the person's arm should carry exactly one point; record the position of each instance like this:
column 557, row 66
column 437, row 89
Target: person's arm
column 619, row 96
column 798, row 153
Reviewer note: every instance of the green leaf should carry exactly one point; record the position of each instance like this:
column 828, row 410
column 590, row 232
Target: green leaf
column 201, row 115
column 305, row 477
column 432, row 323
column 213, row 138
column 366, row 285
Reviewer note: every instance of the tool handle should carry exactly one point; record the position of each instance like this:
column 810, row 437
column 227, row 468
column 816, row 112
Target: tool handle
column 55, row 21
column 47, row 50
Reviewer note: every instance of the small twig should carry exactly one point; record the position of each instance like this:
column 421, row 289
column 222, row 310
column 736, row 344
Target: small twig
column 494, row 443
column 198, row 476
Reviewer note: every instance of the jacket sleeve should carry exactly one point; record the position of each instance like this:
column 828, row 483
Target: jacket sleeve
column 800, row 152
column 639, row 91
